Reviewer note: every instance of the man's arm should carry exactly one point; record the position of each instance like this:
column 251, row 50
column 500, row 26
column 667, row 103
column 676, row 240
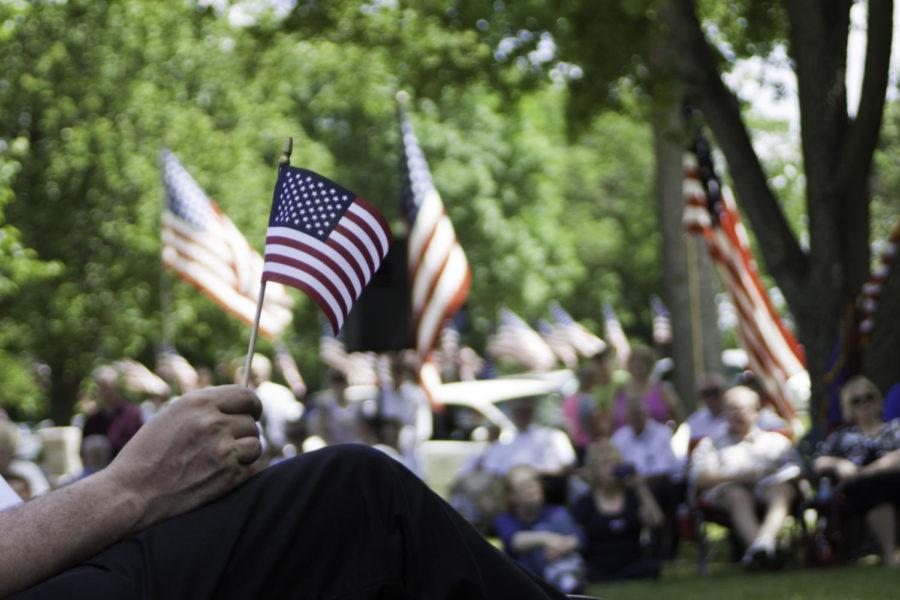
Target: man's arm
column 191, row 453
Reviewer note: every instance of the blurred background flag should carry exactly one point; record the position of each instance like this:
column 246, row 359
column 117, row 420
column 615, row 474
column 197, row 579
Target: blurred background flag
column 585, row 343
column 558, row 341
column 773, row 353
column 439, row 271
column 517, row 342
column 203, row 247
column 324, row 240
column 662, row 322
column 615, row 335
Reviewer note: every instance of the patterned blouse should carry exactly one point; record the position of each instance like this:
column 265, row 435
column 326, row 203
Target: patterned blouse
column 860, row 449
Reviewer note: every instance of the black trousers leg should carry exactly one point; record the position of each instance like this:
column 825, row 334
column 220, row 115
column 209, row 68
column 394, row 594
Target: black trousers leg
column 345, row 522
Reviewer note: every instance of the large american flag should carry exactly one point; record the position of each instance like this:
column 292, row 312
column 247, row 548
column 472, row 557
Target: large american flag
column 772, row 351
column 517, row 342
column 585, row 343
column 203, row 247
column 323, row 239
column 439, row 272
column 615, row 335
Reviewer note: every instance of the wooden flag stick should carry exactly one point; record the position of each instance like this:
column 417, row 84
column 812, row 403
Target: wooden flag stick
column 285, row 159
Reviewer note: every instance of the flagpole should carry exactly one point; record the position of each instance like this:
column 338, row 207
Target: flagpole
column 285, row 159
column 165, row 290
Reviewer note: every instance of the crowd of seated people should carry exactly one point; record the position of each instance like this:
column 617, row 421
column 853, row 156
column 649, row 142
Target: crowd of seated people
column 742, row 465
column 596, row 501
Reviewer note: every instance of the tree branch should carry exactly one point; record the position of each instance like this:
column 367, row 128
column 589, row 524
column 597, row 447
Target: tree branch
column 856, row 158
column 696, row 62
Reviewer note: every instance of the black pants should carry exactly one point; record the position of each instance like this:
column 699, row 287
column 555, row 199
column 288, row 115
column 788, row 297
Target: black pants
column 341, row 523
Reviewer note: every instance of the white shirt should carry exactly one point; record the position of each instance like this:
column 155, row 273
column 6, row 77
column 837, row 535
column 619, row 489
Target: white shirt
column 650, row 452
column 280, row 407
column 704, row 424
column 8, row 498
column 543, row 448
column 758, row 453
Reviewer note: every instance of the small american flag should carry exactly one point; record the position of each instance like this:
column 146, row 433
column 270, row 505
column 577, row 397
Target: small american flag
column 203, row 247
column 439, row 271
column 558, row 341
column 324, row 240
column 517, row 342
column 586, row 343
column 662, row 322
column 773, row 353
column 615, row 334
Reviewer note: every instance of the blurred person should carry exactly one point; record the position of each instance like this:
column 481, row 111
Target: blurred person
column 545, row 449
column 709, row 419
column 580, row 412
column 96, row 455
column 292, row 530
column 280, row 407
column 612, row 514
column 605, row 380
column 663, row 403
column 338, row 421
column 744, row 467
column 647, row 445
column 115, row 417
column 864, row 460
column 205, row 378
column 542, row 538
column 403, row 401
column 14, row 467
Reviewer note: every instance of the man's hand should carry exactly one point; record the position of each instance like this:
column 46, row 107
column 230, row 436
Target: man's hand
column 194, row 451
column 842, row 468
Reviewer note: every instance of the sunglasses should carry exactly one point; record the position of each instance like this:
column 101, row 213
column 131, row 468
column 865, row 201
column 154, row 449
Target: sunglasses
column 710, row 391
column 863, row 399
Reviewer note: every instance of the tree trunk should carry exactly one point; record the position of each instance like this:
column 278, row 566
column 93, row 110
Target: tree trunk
column 688, row 278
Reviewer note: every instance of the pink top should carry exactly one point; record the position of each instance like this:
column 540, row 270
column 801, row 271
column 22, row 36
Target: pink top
column 572, row 408
column 656, row 406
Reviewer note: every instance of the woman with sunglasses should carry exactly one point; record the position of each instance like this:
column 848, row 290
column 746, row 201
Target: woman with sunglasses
column 864, row 460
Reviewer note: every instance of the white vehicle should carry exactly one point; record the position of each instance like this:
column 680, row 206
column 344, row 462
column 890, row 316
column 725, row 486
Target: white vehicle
column 474, row 412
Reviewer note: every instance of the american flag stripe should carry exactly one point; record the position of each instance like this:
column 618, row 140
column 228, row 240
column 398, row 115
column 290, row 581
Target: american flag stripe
column 450, row 290
column 204, row 248
column 439, row 271
column 434, row 258
column 323, row 240
column 772, row 351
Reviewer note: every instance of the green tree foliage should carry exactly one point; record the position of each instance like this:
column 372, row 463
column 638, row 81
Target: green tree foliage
column 93, row 89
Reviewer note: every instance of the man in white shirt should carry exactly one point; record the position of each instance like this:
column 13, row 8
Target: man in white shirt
column 647, row 445
column 744, row 466
column 545, row 449
column 280, row 406
column 709, row 419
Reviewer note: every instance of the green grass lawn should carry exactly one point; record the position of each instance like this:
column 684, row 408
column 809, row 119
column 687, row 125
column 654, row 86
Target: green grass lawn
column 730, row 582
